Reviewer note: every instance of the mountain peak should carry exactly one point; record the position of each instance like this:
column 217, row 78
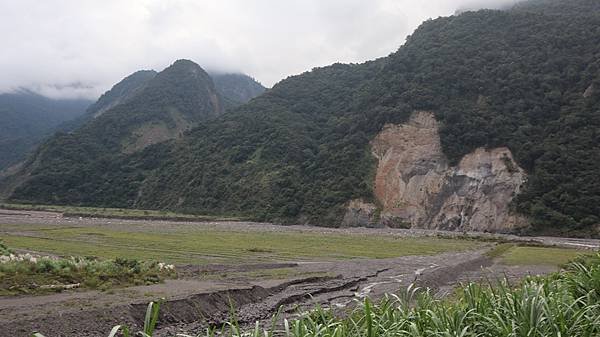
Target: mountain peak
column 185, row 62
column 184, row 73
column 187, row 66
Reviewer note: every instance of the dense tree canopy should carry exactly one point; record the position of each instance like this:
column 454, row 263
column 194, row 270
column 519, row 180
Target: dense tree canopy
column 26, row 118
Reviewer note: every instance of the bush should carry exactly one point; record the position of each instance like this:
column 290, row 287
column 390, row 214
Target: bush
column 4, row 249
column 31, row 274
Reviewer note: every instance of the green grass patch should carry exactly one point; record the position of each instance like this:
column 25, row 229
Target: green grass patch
column 223, row 246
column 550, row 256
column 499, row 250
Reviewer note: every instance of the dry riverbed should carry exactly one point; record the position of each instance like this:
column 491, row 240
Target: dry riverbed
column 258, row 267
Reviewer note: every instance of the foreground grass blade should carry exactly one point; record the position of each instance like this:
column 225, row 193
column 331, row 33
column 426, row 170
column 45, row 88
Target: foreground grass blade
column 151, row 318
column 124, row 330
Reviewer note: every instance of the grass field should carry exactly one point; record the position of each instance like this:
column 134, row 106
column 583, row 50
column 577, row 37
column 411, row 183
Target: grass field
column 524, row 255
column 216, row 246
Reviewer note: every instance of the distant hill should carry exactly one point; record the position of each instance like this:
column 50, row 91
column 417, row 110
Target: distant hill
column 26, row 118
column 145, row 108
column 507, row 102
column 236, row 89
column 118, row 94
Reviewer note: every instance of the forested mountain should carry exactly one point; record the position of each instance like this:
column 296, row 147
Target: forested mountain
column 27, row 117
column 119, row 93
column 158, row 108
column 143, row 109
column 527, row 79
column 122, row 91
column 236, row 89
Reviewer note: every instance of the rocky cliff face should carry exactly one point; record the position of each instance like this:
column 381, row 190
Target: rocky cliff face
column 416, row 186
column 589, row 92
column 360, row 214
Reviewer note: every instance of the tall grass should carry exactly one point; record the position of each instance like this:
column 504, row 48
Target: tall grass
column 565, row 304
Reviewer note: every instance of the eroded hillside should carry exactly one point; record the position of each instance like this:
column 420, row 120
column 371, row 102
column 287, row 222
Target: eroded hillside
column 415, row 186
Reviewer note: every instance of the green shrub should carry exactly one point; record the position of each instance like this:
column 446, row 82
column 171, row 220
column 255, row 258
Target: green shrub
column 27, row 274
column 4, row 249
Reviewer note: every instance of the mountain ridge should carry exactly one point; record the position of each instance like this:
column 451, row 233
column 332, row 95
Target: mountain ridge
column 143, row 109
column 27, row 117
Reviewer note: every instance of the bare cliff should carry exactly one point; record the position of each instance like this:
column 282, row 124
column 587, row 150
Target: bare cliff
column 415, row 186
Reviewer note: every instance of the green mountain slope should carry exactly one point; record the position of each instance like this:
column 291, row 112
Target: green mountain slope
column 26, row 118
column 291, row 152
column 524, row 79
column 122, row 91
column 118, row 94
column 236, row 89
column 73, row 167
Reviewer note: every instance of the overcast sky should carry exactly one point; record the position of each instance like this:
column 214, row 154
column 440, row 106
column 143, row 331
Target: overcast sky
column 67, row 48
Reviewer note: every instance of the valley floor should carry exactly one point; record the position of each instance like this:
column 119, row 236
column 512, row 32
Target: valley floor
column 257, row 267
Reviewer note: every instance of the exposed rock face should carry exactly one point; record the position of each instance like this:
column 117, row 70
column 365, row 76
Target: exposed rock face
column 416, row 185
column 156, row 132
column 359, row 214
column 149, row 134
column 589, row 91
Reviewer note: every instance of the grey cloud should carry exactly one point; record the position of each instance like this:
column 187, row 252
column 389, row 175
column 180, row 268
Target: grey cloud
column 73, row 48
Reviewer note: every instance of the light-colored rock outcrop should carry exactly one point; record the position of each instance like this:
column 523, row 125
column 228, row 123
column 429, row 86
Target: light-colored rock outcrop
column 415, row 184
column 360, row 214
column 589, row 91
column 156, row 132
